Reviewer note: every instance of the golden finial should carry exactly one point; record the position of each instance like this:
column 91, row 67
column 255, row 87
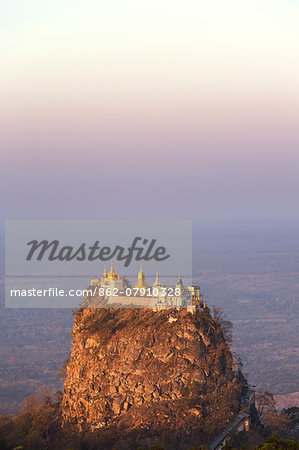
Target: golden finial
column 141, row 283
column 112, row 274
column 141, row 274
column 105, row 271
column 180, row 280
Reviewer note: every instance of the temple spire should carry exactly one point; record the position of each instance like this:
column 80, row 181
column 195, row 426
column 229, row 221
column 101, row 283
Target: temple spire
column 141, row 283
column 112, row 274
column 157, row 282
column 179, row 282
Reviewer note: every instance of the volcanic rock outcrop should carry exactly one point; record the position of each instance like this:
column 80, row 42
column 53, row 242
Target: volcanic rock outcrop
column 150, row 373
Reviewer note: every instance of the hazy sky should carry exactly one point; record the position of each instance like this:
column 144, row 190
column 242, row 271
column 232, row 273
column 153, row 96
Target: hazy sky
column 162, row 109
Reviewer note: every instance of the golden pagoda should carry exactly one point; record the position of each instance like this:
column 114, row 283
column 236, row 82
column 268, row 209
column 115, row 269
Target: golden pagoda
column 105, row 274
column 112, row 275
column 141, row 282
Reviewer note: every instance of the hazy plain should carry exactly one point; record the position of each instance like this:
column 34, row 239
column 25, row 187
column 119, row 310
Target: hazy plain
column 250, row 270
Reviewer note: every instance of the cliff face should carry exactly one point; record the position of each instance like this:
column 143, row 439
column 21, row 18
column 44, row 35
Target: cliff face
column 139, row 370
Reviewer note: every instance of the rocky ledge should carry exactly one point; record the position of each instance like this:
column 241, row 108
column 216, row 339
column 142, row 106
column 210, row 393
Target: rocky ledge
column 136, row 370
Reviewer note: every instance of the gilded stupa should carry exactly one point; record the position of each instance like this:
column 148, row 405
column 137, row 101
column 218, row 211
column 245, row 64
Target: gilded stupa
column 141, row 282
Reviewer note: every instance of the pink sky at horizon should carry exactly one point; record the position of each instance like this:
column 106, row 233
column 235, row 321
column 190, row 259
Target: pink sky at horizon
column 152, row 102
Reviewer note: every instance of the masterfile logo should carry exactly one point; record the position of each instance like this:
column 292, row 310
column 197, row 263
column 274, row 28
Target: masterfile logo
column 47, row 259
column 144, row 250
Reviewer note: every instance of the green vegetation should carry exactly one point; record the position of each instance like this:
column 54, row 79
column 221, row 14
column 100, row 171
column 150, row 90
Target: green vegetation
column 273, row 443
